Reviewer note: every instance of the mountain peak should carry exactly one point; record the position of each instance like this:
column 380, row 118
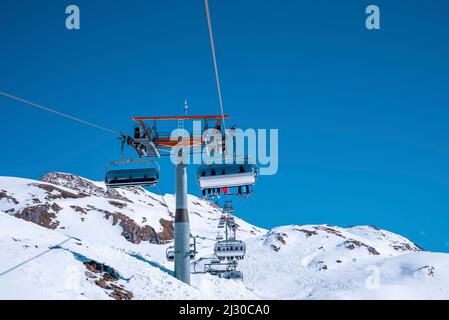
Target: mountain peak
column 79, row 184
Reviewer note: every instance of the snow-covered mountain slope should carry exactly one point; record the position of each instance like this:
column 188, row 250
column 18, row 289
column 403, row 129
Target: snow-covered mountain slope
column 324, row 262
column 66, row 237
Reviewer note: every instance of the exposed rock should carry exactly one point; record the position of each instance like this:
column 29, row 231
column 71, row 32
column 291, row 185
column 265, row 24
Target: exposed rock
column 106, row 278
column 322, row 267
column 4, row 195
column 97, row 267
column 55, row 208
column 352, row 244
column 43, row 215
column 430, row 270
column 54, row 193
column 81, row 185
column 141, row 191
column 79, row 209
column 119, row 293
column 131, row 230
column 403, row 247
column 330, row 230
column 117, row 204
column 167, row 234
column 373, row 251
column 280, row 237
column 308, row 233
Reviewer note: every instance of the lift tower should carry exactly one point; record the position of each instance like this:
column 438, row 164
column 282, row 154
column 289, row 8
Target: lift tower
column 160, row 144
column 182, row 224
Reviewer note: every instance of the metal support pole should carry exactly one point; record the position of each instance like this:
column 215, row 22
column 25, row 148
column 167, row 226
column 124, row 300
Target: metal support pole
column 182, row 227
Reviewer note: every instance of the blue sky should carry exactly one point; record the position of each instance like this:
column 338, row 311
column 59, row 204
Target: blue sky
column 362, row 115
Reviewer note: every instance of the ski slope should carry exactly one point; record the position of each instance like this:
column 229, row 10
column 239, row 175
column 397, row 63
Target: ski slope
column 66, row 237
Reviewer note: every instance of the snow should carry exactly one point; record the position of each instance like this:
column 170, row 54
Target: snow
column 289, row 262
column 297, row 270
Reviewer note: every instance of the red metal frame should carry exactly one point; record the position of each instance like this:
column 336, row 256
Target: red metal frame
column 179, row 118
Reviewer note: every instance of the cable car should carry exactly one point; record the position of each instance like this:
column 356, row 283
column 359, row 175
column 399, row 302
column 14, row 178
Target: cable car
column 230, row 249
column 122, row 174
column 215, row 177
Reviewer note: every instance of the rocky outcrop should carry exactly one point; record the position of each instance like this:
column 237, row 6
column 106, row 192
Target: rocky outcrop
column 308, row 233
column 107, row 278
column 4, row 195
column 275, row 240
column 352, row 244
column 70, row 187
column 43, row 215
column 81, row 185
column 131, row 230
column 404, row 247
column 55, row 193
column 167, row 233
column 330, row 230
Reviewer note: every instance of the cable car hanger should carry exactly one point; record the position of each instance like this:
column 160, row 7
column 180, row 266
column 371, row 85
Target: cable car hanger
column 153, row 140
column 118, row 174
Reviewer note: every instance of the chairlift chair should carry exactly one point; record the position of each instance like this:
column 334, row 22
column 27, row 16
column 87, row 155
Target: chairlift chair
column 218, row 267
column 227, row 175
column 170, row 252
column 132, row 173
column 230, row 249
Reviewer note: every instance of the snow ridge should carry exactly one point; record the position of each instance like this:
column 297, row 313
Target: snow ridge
column 66, row 237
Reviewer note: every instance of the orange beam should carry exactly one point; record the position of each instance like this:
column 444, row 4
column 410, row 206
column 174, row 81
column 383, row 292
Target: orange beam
column 171, row 143
column 179, row 118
